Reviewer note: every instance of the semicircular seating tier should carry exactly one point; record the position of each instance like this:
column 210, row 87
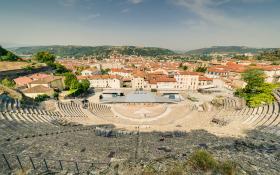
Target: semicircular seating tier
column 233, row 103
column 70, row 109
column 100, row 110
column 265, row 118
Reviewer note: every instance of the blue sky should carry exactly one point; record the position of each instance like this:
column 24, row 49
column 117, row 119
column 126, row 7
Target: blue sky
column 174, row 24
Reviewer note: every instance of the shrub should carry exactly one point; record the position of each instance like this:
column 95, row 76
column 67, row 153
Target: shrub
column 58, row 68
column 55, row 95
column 44, row 57
column 201, row 69
column 8, row 83
column 203, row 160
column 41, row 98
column 153, row 90
column 176, row 169
column 28, row 68
column 227, row 168
column 149, row 170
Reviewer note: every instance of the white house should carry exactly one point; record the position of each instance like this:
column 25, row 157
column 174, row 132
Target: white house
column 103, row 81
column 217, row 72
column 163, row 83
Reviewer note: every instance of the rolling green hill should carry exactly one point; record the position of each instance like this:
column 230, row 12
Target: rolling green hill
column 228, row 50
column 99, row 51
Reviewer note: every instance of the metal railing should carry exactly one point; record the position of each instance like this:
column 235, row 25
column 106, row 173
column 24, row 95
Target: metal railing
column 15, row 162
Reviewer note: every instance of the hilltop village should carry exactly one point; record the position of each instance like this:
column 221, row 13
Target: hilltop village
column 137, row 72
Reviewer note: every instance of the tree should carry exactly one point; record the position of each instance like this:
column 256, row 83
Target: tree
column 8, row 83
column 28, row 68
column 201, row 69
column 6, row 55
column 256, row 92
column 75, row 85
column 185, row 67
column 105, row 71
column 79, row 69
column 85, row 85
column 44, row 57
column 254, row 78
column 58, row 68
column 55, row 95
column 41, row 98
column 272, row 55
column 69, row 78
column 240, row 57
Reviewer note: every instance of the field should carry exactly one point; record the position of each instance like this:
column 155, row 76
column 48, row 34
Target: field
column 5, row 65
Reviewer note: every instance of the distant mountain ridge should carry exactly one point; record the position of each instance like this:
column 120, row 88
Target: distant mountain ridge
column 229, row 50
column 105, row 51
column 99, row 51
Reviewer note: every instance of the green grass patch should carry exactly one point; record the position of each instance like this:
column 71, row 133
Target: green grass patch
column 204, row 161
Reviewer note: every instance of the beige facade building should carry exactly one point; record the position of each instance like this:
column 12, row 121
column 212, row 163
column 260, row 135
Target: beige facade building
column 121, row 72
column 34, row 91
column 138, row 83
column 54, row 82
column 103, row 81
column 187, row 80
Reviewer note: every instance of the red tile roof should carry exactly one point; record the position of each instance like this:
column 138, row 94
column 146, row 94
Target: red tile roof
column 189, row 73
column 203, row 78
column 23, row 80
column 218, row 70
column 120, row 70
column 39, row 76
column 92, row 77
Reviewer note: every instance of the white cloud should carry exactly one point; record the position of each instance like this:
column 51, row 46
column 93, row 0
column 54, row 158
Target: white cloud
column 214, row 26
column 90, row 17
column 206, row 10
column 135, row 1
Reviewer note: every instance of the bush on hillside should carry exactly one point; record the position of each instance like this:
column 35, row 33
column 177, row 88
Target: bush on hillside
column 41, row 98
column 44, row 57
column 8, row 83
column 6, row 55
column 227, row 168
column 203, row 160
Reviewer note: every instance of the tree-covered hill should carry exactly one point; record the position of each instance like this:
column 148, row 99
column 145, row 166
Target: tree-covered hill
column 228, row 50
column 270, row 55
column 99, row 51
column 6, row 55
